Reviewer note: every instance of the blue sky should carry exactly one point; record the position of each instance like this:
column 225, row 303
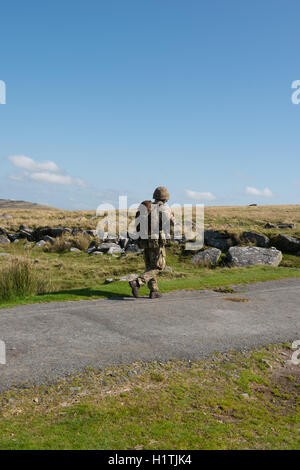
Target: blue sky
column 120, row 96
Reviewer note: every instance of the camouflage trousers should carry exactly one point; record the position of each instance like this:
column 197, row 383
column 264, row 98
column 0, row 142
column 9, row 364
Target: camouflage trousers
column 155, row 261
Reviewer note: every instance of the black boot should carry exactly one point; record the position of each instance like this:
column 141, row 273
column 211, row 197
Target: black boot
column 134, row 288
column 154, row 294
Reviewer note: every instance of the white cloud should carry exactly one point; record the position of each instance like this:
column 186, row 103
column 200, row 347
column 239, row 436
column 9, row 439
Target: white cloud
column 43, row 172
column 207, row 196
column 258, row 192
column 27, row 163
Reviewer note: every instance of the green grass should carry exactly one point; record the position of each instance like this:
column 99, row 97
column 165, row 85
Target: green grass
column 207, row 279
column 78, row 276
column 231, row 401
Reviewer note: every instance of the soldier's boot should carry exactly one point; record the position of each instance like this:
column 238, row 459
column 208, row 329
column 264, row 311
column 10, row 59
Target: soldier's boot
column 134, row 288
column 154, row 294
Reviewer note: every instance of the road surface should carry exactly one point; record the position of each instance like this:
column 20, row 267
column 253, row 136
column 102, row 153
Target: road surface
column 47, row 341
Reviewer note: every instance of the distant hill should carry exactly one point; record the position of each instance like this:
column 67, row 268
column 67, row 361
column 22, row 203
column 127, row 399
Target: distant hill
column 12, row 204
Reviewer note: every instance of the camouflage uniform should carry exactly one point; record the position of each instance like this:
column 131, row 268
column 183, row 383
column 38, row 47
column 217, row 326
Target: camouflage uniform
column 155, row 261
column 154, row 252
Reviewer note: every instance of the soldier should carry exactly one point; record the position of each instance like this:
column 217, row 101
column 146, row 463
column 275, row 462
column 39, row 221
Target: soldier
column 160, row 222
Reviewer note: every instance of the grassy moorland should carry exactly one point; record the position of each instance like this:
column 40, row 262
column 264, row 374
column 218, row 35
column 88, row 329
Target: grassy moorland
column 236, row 400
column 76, row 276
column 216, row 217
column 53, row 273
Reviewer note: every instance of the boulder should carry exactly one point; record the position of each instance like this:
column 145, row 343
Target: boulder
column 13, row 236
column 106, row 246
column 41, row 232
column 4, row 240
column 91, row 233
column 133, row 248
column 77, row 230
column 208, row 257
column 269, row 225
column 252, row 255
column 48, row 239
column 287, row 243
column 93, row 244
column 25, row 235
column 40, row 244
column 24, row 227
column 73, row 249
column 91, row 250
column 289, row 225
column 221, row 240
column 96, row 252
column 114, row 249
column 257, row 239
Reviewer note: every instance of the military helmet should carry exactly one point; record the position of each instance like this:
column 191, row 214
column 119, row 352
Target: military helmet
column 161, row 194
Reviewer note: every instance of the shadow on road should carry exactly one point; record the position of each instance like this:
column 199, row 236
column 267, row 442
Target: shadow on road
column 92, row 293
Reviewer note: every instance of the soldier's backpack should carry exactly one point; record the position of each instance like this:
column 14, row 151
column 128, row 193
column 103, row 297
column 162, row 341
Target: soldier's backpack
column 143, row 223
column 149, row 225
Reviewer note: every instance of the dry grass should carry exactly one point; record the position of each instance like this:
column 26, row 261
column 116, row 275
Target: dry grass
column 220, row 217
column 19, row 278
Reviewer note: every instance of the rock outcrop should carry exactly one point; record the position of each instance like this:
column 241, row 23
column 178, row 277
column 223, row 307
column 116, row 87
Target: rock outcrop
column 256, row 238
column 253, row 255
column 220, row 240
column 208, row 257
column 288, row 244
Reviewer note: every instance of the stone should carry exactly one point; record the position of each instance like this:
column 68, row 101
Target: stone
column 106, row 246
column 4, row 254
column 97, row 252
column 208, row 257
column 287, row 243
column 24, row 227
column 246, row 396
column 221, row 240
column 108, row 281
column 168, row 269
column 133, row 248
column 25, row 235
column 114, row 249
column 3, row 231
column 6, row 216
column 253, row 255
column 13, row 236
column 48, row 239
column 257, row 239
column 76, row 231
column 282, row 225
column 40, row 244
column 91, row 233
column 41, row 232
column 93, row 244
column 269, row 225
column 73, row 249
column 4, row 240
column 91, row 250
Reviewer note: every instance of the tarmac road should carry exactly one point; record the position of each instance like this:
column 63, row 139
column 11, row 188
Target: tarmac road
column 47, row 341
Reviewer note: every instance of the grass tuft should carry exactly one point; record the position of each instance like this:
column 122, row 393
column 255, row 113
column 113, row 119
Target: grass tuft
column 19, row 279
